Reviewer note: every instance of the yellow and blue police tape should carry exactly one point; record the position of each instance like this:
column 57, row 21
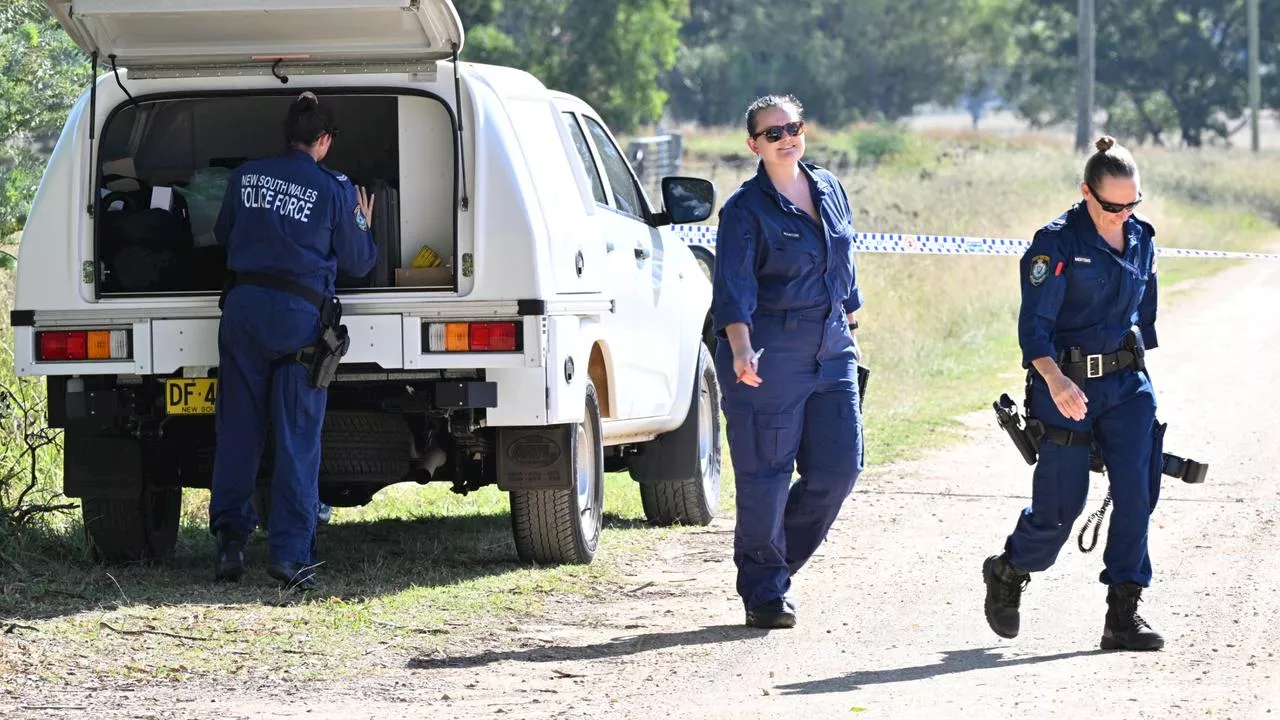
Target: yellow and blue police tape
column 872, row 242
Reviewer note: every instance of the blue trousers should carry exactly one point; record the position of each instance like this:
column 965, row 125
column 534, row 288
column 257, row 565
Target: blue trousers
column 805, row 417
column 1122, row 416
column 258, row 326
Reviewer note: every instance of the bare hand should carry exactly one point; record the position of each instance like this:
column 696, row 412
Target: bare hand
column 366, row 205
column 1068, row 396
column 746, row 365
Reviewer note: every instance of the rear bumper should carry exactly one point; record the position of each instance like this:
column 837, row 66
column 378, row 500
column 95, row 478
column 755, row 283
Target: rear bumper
column 166, row 347
column 103, row 400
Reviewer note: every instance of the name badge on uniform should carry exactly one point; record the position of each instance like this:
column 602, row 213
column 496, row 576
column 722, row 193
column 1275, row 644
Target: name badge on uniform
column 1084, row 260
column 790, row 235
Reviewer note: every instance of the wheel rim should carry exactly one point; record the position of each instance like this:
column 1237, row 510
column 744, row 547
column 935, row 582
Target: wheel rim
column 706, row 442
column 588, row 502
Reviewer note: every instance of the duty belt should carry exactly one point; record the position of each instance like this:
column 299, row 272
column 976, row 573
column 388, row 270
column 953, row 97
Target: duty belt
column 1078, row 366
column 330, row 307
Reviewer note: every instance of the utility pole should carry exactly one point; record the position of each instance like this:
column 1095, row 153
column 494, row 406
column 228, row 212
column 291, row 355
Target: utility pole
column 1084, row 76
column 1255, row 84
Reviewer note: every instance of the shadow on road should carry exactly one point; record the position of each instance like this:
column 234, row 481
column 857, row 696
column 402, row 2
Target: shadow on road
column 616, row 647
column 953, row 661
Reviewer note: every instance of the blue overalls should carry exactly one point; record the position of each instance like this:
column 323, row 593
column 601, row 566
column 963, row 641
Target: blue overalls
column 1076, row 291
column 291, row 217
column 792, row 281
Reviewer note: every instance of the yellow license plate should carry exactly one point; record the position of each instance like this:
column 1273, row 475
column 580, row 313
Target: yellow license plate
column 190, row 396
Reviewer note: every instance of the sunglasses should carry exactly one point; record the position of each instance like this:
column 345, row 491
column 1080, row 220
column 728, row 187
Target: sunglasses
column 774, row 133
column 1113, row 207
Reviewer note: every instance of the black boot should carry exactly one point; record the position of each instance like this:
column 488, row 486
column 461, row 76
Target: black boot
column 771, row 615
column 229, row 563
column 1125, row 629
column 294, row 576
column 1005, row 584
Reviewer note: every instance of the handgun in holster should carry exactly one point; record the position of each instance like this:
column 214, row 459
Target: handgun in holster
column 1026, row 436
column 322, row 358
column 327, row 355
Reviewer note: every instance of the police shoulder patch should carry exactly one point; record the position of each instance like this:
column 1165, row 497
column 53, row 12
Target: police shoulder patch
column 1039, row 270
column 360, row 221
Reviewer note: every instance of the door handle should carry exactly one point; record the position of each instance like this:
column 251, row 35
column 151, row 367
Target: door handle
column 608, row 246
column 643, row 253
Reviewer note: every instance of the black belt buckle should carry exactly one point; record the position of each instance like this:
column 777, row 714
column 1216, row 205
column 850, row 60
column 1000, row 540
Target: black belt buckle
column 1093, row 366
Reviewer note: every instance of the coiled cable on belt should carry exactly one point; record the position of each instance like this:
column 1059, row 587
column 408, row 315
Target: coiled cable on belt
column 1095, row 520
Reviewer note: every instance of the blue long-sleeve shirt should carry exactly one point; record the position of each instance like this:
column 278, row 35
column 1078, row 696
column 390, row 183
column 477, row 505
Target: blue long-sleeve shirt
column 290, row 216
column 1077, row 291
column 771, row 256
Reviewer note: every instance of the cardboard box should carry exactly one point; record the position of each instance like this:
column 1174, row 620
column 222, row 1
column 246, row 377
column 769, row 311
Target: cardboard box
column 424, row 277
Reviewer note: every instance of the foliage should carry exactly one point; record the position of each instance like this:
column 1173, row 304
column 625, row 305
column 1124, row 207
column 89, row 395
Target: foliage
column 875, row 145
column 1163, row 66
column 874, row 59
column 609, row 52
column 41, row 73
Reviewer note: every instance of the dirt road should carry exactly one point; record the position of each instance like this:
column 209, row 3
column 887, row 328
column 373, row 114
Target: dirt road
column 891, row 621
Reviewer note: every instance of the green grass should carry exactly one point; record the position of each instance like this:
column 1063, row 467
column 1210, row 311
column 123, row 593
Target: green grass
column 420, row 566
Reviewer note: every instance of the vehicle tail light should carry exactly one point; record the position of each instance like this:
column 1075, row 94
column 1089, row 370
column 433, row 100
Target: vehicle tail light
column 77, row 345
column 473, row 337
column 493, row 337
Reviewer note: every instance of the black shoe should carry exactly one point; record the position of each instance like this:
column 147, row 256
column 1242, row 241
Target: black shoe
column 773, row 614
column 1005, row 584
column 1125, row 629
column 294, row 576
column 229, row 563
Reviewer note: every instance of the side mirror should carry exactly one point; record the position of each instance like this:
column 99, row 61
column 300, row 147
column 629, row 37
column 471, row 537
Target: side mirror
column 687, row 199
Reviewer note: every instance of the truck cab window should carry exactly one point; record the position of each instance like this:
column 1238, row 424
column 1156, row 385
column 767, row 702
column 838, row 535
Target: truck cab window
column 625, row 195
column 584, row 153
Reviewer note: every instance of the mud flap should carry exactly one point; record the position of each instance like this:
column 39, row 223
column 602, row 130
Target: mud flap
column 536, row 458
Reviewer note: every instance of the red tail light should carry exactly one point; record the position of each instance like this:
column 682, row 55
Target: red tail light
column 472, row 337
column 78, row 345
column 493, row 336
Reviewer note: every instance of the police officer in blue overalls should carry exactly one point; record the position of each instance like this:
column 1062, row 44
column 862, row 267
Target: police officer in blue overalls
column 785, row 293
column 288, row 224
column 1088, row 314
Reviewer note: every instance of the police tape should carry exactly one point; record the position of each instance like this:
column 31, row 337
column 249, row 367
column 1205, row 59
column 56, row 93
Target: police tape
column 705, row 236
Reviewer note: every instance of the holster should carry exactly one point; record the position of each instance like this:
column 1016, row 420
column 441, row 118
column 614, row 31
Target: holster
column 864, row 373
column 326, row 355
column 1026, row 437
column 322, row 358
column 1009, row 420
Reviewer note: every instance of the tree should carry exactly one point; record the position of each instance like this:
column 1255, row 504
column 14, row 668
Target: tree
column 843, row 58
column 1162, row 65
column 609, row 52
column 41, row 74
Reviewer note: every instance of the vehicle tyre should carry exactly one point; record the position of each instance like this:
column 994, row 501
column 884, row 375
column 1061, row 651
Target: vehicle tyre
column 364, row 446
column 123, row 530
column 563, row 526
column 679, row 472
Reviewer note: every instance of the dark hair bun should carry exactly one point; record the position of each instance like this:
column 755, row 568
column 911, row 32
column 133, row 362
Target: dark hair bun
column 1105, row 143
column 306, row 101
column 307, row 120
